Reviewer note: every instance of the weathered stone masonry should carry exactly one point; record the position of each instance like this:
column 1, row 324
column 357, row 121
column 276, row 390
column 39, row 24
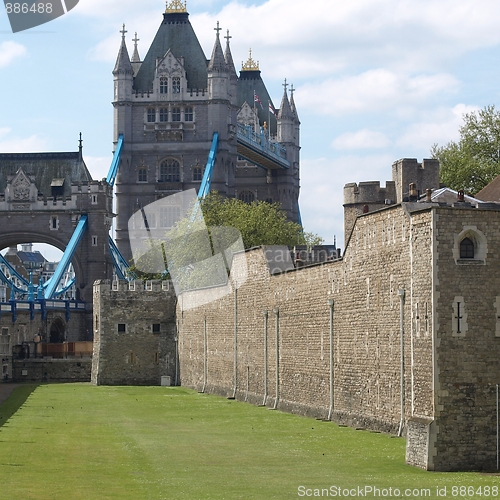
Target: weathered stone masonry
column 229, row 346
column 134, row 333
column 407, row 312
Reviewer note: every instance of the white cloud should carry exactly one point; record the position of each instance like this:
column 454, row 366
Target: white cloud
column 373, row 90
column 4, row 131
column 9, row 51
column 440, row 127
column 322, row 189
column 32, row 144
column 362, row 139
column 98, row 166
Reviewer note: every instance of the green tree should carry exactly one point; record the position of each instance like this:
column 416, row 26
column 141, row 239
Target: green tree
column 260, row 223
column 473, row 161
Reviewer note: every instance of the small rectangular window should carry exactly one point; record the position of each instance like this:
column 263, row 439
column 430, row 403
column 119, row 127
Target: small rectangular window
column 94, row 241
column 122, row 328
column 176, row 114
column 156, row 328
column 151, row 115
column 94, row 199
column 142, row 175
column 197, row 174
column 188, row 114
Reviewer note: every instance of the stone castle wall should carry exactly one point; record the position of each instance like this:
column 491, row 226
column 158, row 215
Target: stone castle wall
column 134, row 333
column 464, row 432
column 231, row 331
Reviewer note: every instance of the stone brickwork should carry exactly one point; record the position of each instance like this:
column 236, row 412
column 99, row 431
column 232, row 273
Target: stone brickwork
column 401, row 335
column 269, row 342
column 366, row 332
column 51, row 370
column 134, row 333
column 463, row 435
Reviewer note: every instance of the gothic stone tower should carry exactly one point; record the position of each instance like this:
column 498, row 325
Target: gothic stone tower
column 168, row 107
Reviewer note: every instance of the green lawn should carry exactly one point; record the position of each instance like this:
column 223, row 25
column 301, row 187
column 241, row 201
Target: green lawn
column 77, row 441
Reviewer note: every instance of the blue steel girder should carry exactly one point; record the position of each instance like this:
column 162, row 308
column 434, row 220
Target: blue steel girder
column 62, row 267
column 209, row 168
column 113, row 169
column 257, row 149
column 120, row 264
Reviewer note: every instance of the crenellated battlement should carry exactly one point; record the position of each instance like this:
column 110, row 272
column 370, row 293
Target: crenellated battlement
column 134, row 286
column 370, row 192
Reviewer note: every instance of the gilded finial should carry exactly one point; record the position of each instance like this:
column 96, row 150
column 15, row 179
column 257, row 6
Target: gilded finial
column 176, row 6
column 250, row 65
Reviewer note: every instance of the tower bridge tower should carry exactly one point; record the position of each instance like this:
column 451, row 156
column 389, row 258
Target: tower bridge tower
column 168, row 107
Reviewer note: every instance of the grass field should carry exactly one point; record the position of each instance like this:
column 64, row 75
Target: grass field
column 77, row 441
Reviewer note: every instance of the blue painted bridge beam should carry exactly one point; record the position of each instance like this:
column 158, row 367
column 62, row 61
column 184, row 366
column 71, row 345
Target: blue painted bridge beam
column 62, row 267
column 113, row 169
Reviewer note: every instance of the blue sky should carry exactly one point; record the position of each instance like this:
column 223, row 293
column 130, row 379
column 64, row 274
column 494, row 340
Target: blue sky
column 376, row 80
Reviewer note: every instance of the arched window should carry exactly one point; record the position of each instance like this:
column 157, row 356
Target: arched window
column 164, row 114
column 170, row 171
column 163, row 85
column 176, row 85
column 246, row 196
column 466, row 249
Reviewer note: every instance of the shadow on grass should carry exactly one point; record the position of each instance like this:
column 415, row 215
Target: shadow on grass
column 17, row 398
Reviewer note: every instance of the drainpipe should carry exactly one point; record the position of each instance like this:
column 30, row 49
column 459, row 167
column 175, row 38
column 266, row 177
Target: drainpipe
column 235, row 376
column 204, row 354
column 401, row 294
column 330, row 411
column 277, row 313
column 265, row 357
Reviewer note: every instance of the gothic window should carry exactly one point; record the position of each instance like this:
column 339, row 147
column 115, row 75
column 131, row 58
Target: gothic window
column 164, row 114
column 188, row 114
column 169, row 216
column 466, row 249
column 197, row 174
column 163, row 85
column 176, row 114
column 151, row 115
column 176, row 85
column 170, row 171
column 246, row 196
column 142, row 175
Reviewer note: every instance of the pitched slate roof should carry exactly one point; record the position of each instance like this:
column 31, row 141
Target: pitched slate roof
column 249, row 82
column 44, row 168
column 490, row 192
column 177, row 34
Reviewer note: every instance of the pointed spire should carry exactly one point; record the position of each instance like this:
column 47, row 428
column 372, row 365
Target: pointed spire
column 228, row 57
column 292, row 103
column 285, row 108
column 123, row 60
column 217, row 61
column 135, row 55
column 80, row 148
